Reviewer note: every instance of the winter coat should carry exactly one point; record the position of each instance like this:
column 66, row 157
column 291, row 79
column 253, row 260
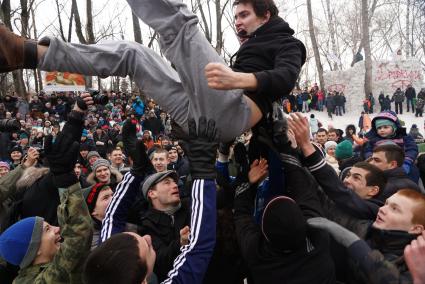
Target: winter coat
column 346, row 199
column 165, row 233
column 330, row 103
column 401, row 138
column 268, row 265
column 396, row 180
column 381, row 99
column 410, row 93
column 398, row 97
column 275, row 57
column 76, row 230
column 420, row 103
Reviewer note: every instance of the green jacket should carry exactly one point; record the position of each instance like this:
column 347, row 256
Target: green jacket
column 76, row 229
column 8, row 183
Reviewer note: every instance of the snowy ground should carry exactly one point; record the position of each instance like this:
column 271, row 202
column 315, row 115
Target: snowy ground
column 353, row 118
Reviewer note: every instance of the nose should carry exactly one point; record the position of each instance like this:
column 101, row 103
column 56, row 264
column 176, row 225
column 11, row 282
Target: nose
column 148, row 239
column 56, row 230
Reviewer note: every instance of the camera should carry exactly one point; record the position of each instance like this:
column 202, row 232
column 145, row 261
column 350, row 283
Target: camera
column 9, row 125
column 98, row 99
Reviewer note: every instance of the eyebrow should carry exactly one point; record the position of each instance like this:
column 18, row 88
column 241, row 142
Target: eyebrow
column 356, row 175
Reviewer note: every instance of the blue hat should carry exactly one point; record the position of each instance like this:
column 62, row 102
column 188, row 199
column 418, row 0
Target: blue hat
column 20, row 242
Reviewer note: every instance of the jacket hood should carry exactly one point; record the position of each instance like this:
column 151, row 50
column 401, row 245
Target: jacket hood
column 274, row 25
column 389, row 115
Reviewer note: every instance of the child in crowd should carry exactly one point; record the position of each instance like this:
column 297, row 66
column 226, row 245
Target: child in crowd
column 386, row 128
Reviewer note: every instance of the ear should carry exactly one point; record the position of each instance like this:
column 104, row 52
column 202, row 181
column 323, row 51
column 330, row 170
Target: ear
column 151, row 194
column 373, row 190
column 266, row 17
column 393, row 164
column 417, row 229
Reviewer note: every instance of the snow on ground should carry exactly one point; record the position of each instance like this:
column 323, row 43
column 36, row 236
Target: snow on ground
column 353, row 118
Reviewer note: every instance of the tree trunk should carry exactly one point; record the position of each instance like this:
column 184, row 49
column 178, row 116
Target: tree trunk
column 136, row 29
column 61, row 33
column 78, row 27
column 408, row 29
column 366, row 43
column 361, row 45
column 314, row 45
column 89, row 26
column 331, row 25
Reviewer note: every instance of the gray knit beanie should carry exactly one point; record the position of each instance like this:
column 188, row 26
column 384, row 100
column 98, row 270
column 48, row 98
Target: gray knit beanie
column 99, row 163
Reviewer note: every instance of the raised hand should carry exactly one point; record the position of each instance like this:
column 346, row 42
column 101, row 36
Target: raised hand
column 201, row 148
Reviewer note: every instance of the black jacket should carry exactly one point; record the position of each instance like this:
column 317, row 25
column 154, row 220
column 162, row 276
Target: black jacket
column 396, row 180
column 410, row 93
column 268, row 265
column 275, row 57
column 165, row 233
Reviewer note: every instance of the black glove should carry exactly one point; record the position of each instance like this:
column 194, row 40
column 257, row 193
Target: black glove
column 201, row 148
column 240, row 155
column 276, row 137
column 224, row 148
column 62, row 156
column 136, row 150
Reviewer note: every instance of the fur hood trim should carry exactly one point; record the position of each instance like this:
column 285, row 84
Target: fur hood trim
column 30, row 176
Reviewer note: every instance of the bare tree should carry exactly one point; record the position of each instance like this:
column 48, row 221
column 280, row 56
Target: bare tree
column 366, row 43
column 136, row 29
column 319, row 66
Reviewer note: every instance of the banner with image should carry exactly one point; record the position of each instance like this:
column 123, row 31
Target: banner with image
column 63, row 82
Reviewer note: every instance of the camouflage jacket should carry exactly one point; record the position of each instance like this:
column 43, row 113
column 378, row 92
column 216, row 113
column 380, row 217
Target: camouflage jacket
column 8, row 183
column 76, row 229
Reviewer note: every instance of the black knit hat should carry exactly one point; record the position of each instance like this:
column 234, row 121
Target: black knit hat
column 92, row 193
column 283, row 224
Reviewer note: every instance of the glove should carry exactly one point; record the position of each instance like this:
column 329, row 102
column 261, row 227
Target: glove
column 201, row 148
column 224, row 148
column 61, row 155
column 136, row 150
column 340, row 234
column 240, row 155
column 276, row 138
column 406, row 166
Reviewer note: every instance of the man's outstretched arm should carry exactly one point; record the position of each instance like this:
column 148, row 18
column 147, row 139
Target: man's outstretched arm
column 191, row 264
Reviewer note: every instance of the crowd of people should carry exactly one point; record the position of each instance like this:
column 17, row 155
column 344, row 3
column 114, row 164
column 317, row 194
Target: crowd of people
column 334, row 101
column 167, row 189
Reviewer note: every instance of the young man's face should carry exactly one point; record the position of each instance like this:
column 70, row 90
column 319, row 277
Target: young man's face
column 385, row 130
column 379, row 160
column 356, row 181
column 103, row 174
column 160, row 162
column 77, row 170
column 102, row 202
column 246, row 21
column 93, row 159
column 165, row 194
column 396, row 214
column 84, row 153
column 50, row 241
column 116, row 157
column 16, row 155
column 321, row 137
column 333, row 136
column 173, row 155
